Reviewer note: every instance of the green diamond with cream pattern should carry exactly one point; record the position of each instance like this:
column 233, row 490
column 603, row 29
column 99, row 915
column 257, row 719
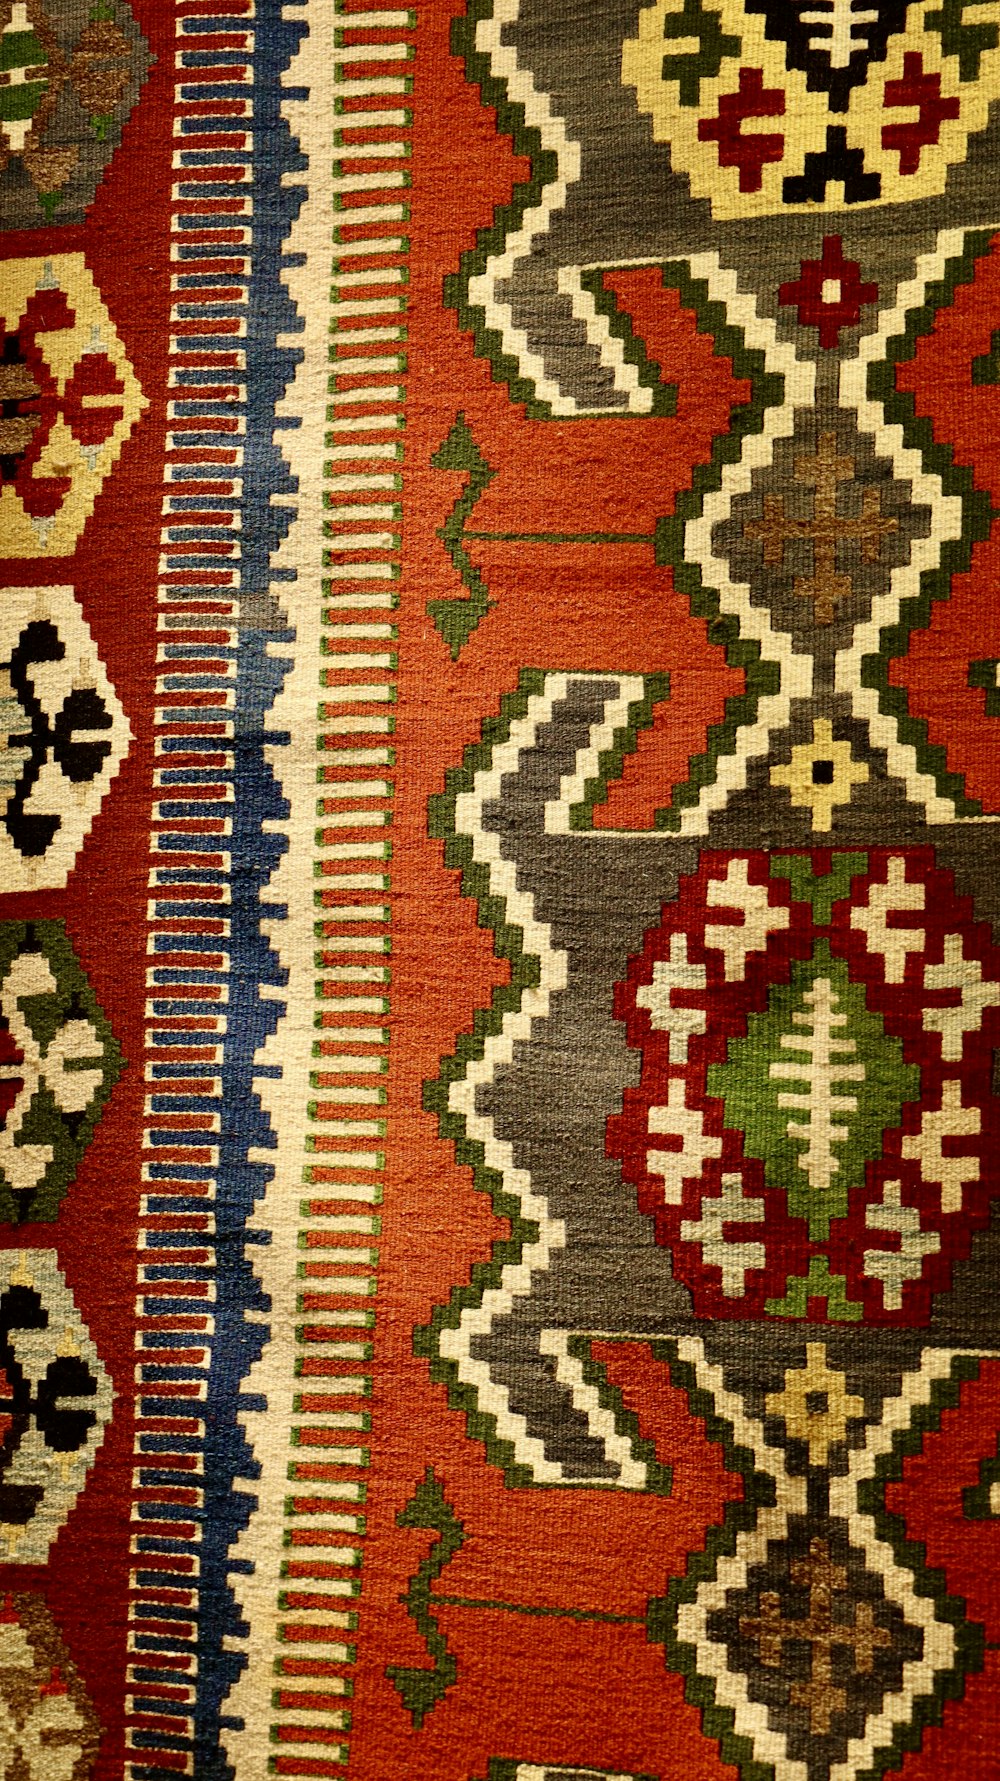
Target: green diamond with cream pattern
column 813, row 1086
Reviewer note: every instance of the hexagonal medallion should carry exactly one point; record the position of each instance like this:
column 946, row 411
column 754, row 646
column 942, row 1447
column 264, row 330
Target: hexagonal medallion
column 55, row 1403
column 59, row 1061
column 69, row 401
column 63, row 736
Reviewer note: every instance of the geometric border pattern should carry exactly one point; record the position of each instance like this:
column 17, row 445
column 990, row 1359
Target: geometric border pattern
column 870, row 382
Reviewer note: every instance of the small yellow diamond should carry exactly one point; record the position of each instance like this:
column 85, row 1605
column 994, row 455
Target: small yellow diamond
column 821, row 775
column 815, row 1405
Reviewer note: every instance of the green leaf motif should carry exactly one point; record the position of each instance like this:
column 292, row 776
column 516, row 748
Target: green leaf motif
column 819, row 1283
column 813, row 1086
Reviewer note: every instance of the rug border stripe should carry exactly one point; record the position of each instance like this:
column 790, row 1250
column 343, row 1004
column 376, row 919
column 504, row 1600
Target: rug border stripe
column 324, row 1526
column 188, row 929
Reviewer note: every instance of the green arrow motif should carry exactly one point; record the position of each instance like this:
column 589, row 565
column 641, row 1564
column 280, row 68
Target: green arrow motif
column 456, row 619
column 819, row 1283
column 421, row 1690
column 822, row 890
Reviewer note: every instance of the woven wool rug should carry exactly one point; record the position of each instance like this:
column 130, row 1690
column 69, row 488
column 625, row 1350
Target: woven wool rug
column 499, row 897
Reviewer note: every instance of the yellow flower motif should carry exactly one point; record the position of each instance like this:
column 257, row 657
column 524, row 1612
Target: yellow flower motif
column 815, row 1405
column 821, row 775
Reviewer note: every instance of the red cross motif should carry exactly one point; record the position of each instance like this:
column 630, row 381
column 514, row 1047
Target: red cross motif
column 92, row 399
column 55, row 1684
column 750, row 153
column 829, row 292
column 922, row 91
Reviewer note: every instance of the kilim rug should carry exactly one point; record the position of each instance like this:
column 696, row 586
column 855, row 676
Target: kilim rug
column 499, row 890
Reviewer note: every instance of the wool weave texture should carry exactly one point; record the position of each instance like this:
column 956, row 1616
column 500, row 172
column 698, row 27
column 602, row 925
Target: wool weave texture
column 499, row 890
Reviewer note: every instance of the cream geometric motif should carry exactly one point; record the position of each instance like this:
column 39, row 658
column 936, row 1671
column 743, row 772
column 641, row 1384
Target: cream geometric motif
column 71, row 1070
column 895, row 897
column 827, row 1060
column 75, row 402
column 815, row 1405
column 668, row 975
column 55, row 1402
column 845, row 24
column 966, row 976
column 867, row 1600
column 63, row 736
column 938, row 1128
column 823, row 771
column 821, row 775
column 761, row 917
column 733, row 1258
column 895, row 1267
column 678, row 1120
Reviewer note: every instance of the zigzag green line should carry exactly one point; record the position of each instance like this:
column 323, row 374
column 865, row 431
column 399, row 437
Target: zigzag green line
column 659, row 1477
column 527, row 194
column 656, row 688
column 525, row 972
column 621, row 327
column 956, row 556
